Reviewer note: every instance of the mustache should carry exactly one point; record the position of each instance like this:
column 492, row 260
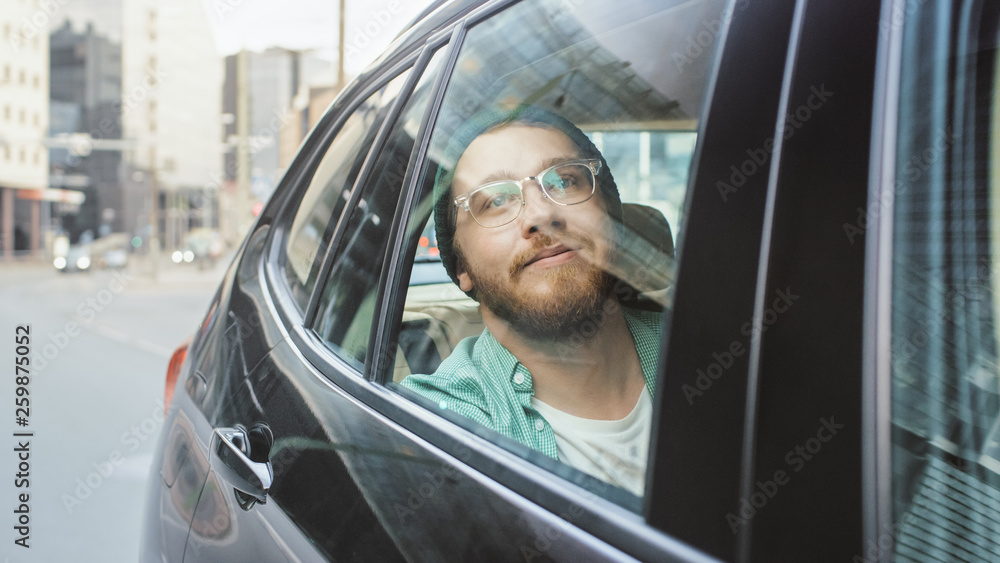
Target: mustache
column 580, row 241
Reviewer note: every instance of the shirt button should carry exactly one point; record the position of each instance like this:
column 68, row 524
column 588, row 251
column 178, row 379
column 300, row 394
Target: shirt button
column 539, row 425
column 518, row 378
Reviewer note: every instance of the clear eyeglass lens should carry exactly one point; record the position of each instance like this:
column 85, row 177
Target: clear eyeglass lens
column 499, row 204
column 495, row 205
column 572, row 183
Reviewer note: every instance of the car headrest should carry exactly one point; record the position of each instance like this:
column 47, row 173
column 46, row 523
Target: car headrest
column 645, row 259
column 650, row 224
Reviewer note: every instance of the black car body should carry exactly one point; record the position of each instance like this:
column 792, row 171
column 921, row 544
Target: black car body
column 828, row 381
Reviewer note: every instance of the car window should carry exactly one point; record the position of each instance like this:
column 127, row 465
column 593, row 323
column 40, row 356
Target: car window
column 329, row 190
column 945, row 206
column 554, row 112
column 348, row 302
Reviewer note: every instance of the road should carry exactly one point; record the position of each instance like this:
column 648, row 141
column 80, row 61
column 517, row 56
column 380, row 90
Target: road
column 100, row 343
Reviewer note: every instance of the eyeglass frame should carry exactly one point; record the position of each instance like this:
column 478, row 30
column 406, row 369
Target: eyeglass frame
column 593, row 164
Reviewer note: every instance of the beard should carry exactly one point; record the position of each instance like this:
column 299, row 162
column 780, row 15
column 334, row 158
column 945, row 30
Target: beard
column 577, row 295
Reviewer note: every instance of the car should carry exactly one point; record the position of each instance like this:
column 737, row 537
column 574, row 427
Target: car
column 201, row 245
column 809, row 188
column 77, row 259
column 112, row 250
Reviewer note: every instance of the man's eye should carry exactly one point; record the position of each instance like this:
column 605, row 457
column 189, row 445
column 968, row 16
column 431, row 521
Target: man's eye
column 562, row 186
column 497, row 200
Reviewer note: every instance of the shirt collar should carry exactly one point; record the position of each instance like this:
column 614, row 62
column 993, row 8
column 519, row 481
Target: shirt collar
column 497, row 359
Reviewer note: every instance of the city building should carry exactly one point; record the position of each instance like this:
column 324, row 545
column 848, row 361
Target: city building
column 24, row 121
column 136, row 118
column 85, row 93
column 171, row 85
column 264, row 94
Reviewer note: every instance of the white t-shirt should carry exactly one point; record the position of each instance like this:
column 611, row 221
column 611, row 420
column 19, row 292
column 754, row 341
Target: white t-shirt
column 611, row 450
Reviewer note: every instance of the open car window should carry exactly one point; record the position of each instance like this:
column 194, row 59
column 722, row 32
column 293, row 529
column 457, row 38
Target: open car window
column 636, row 118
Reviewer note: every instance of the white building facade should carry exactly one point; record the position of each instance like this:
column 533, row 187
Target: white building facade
column 24, row 121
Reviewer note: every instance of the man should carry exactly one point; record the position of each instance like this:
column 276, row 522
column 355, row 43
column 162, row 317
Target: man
column 527, row 224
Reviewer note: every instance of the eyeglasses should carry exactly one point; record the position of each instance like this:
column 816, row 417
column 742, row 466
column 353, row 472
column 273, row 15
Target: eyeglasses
column 498, row 203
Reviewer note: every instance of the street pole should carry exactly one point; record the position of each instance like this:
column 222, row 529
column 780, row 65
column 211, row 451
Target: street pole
column 340, row 45
column 154, row 215
column 242, row 207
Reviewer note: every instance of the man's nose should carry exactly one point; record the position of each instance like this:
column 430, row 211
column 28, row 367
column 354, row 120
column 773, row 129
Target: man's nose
column 539, row 215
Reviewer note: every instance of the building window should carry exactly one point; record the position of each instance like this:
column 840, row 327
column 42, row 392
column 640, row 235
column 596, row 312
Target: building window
column 21, row 157
column 6, row 73
column 36, row 82
column 35, row 120
column 21, row 77
column 22, row 117
column 6, row 113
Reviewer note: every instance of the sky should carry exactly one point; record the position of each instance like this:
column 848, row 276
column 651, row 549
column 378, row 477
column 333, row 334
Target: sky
column 310, row 24
column 295, row 24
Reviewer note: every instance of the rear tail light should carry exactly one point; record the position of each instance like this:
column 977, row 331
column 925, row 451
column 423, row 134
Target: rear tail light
column 173, row 371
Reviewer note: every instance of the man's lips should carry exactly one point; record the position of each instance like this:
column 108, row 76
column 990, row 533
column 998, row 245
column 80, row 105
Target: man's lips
column 552, row 255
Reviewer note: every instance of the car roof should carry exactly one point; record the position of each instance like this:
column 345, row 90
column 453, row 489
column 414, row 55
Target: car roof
column 431, row 20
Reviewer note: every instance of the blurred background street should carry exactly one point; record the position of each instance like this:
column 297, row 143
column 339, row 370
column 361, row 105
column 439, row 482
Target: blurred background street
column 101, row 393
column 138, row 142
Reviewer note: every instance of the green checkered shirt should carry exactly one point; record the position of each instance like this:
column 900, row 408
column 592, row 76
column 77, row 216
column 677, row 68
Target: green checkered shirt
column 483, row 381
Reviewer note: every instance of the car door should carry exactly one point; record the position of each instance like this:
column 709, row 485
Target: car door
column 443, row 488
column 266, row 456
column 362, row 470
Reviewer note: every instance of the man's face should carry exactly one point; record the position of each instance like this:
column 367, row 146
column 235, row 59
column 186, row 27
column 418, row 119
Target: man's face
column 543, row 273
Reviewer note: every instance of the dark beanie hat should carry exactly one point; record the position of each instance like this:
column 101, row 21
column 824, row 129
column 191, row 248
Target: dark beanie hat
column 489, row 120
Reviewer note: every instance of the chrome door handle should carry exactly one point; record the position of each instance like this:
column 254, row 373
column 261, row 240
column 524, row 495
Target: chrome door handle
column 230, row 459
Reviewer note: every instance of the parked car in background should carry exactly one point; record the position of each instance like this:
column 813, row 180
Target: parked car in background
column 202, row 246
column 814, row 191
column 111, row 250
column 76, row 259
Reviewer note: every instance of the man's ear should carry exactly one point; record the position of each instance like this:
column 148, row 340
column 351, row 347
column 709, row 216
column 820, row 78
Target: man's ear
column 462, row 275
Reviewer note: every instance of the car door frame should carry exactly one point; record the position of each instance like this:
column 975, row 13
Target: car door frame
column 654, row 531
column 608, row 521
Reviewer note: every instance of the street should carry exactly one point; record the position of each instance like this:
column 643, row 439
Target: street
column 99, row 347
